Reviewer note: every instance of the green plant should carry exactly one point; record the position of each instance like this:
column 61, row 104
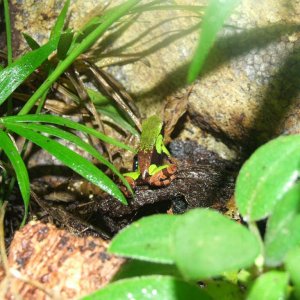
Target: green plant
column 203, row 245
column 64, row 49
column 68, row 46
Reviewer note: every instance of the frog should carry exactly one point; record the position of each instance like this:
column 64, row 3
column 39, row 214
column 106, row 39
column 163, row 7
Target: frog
column 155, row 166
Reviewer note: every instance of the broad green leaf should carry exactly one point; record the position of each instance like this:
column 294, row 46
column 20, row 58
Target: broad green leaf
column 60, row 21
column 293, row 268
column 18, row 164
column 224, row 290
column 149, row 287
column 270, row 286
column 67, row 123
column 215, row 15
column 134, row 268
column 206, row 243
column 147, row 239
column 71, row 159
column 267, row 176
column 283, row 228
column 13, row 75
column 79, row 143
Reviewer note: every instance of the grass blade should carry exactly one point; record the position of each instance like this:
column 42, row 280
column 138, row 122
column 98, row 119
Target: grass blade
column 12, row 76
column 107, row 108
column 59, row 24
column 32, row 43
column 79, row 143
column 87, row 42
column 71, row 159
column 20, row 169
column 67, row 123
column 215, row 15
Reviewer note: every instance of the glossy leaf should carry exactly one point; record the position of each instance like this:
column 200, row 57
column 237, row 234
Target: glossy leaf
column 267, row 176
column 269, row 286
column 215, row 15
column 134, row 268
column 71, row 159
column 12, row 76
column 283, row 228
column 66, row 123
column 206, row 243
column 79, row 143
column 108, row 19
column 150, row 287
column 17, row 162
column 60, row 21
column 147, row 239
column 293, row 268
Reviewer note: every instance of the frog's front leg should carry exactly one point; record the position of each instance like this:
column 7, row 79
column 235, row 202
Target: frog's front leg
column 163, row 177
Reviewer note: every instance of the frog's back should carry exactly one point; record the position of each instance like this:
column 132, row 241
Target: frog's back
column 151, row 129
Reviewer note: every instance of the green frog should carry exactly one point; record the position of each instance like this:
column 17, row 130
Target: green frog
column 155, row 166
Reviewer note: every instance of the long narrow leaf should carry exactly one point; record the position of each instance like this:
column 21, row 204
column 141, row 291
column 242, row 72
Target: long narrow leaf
column 110, row 18
column 79, row 143
column 215, row 15
column 18, row 164
column 12, row 76
column 60, row 21
column 71, row 159
column 67, row 123
column 32, row 43
column 107, row 108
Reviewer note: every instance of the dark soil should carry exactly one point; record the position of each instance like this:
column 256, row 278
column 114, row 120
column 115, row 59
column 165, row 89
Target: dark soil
column 204, row 179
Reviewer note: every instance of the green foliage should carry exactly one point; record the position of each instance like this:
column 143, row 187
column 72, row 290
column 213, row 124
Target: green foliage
column 293, row 267
column 68, row 49
column 150, row 239
column 215, row 15
column 282, row 233
column 105, row 107
column 150, row 287
column 207, row 246
column 13, row 76
column 271, row 285
column 107, row 20
column 267, row 176
column 174, row 252
column 18, row 164
column 70, row 158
